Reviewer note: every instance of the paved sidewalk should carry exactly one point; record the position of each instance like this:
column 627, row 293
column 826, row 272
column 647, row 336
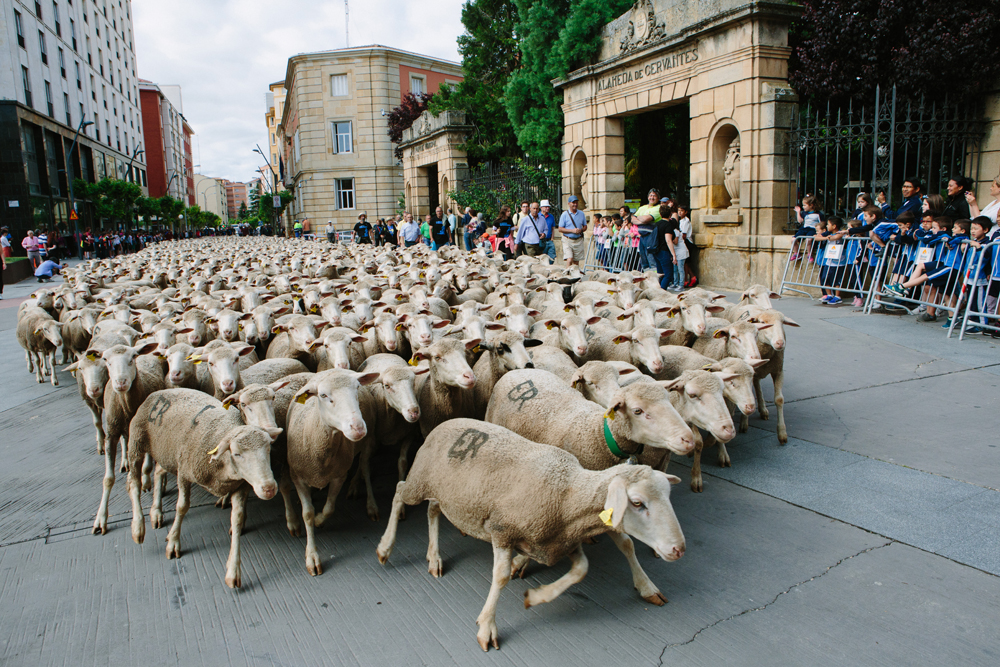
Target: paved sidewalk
column 870, row 539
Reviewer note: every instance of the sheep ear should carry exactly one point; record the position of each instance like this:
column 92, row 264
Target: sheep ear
column 790, row 322
column 774, row 295
column 666, row 333
column 245, row 350
column 744, row 296
column 715, row 309
column 672, row 385
column 421, row 370
column 532, row 342
column 147, row 348
column 221, row 449
column 359, row 339
column 626, row 371
column 622, row 338
column 278, row 328
column 615, row 504
column 245, row 316
column 576, row 379
column 761, row 326
column 73, row 368
column 228, row 401
column 471, row 343
column 673, row 479
column 302, row 395
column 726, row 377
column 721, row 333
column 368, row 378
column 273, row 431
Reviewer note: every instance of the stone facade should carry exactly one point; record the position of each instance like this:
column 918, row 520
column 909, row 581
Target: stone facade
column 433, row 162
column 728, row 60
column 336, row 150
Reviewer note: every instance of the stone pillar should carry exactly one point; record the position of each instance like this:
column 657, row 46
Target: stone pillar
column 594, row 164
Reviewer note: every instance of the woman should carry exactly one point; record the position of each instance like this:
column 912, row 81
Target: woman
column 3, row 267
column 933, row 203
column 992, row 208
column 4, row 242
column 956, row 207
column 503, row 226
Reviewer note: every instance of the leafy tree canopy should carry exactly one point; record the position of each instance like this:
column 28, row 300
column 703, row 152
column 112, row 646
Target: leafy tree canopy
column 402, row 117
column 931, row 48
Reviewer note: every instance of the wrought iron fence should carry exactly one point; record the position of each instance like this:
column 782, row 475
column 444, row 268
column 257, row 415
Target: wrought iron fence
column 837, row 152
column 490, row 186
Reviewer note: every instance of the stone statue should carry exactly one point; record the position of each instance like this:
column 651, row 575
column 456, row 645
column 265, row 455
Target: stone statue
column 584, row 189
column 731, row 172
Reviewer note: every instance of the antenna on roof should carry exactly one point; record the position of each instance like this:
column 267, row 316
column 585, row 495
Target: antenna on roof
column 347, row 24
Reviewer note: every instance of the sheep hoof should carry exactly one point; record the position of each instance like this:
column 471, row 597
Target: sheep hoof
column 313, row 566
column 100, row 528
column 222, row 502
column 294, row 529
column 656, row 598
column 383, row 556
column 725, row 461
column 373, row 514
column 138, row 532
column 782, row 439
column 173, row 549
column 233, row 580
column 435, row 567
column 488, row 635
column 765, row 415
column 156, row 518
column 697, row 486
column 147, row 483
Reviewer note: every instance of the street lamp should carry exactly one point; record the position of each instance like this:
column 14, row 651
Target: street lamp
column 274, row 176
column 72, row 202
column 137, row 152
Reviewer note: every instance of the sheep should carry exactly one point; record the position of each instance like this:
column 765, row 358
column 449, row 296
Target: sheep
column 294, row 336
column 505, row 352
column 194, row 437
column 519, row 495
column 91, row 375
column 553, row 360
column 447, row 392
column 518, row 318
column 132, row 377
column 728, row 339
column 77, row 325
column 758, row 295
column 338, row 347
column 390, row 408
column 324, row 422
column 568, row 333
column 41, row 337
column 226, row 323
column 640, row 347
column 193, row 325
column 384, row 335
column 597, row 381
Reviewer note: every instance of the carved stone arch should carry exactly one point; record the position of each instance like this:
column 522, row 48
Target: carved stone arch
column 579, row 166
column 720, row 140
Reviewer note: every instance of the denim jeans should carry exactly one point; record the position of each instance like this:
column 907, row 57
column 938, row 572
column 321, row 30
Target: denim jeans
column 679, row 272
column 549, row 248
column 665, row 265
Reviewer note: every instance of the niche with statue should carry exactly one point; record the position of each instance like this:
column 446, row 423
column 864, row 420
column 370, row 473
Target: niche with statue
column 725, row 177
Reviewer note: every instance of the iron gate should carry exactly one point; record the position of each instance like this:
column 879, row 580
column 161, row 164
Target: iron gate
column 836, row 152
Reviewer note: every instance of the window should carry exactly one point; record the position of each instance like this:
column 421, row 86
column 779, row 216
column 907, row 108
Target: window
column 90, row 58
column 55, row 16
column 38, row 9
column 104, row 94
column 82, row 116
column 31, row 158
column 26, row 82
column 79, row 82
column 69, row 116
column 100, row 60
column 345, row 193
column 72, row 32
column 338, row 85
column 97, row 126
column 48, row 100
column 62, row 63
column 272, row 139
column 93, row 89
column 42, row 48
column 418, row 85
column 342, row 137
column 20, row 29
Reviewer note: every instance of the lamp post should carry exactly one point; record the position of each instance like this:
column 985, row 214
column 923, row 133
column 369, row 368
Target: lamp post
column 274, row 176
column 72, row 202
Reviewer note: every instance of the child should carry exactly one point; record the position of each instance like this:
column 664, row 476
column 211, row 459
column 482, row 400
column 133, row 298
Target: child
column 976, row 282
column 834, row 260
column 686, row 234
column 940, row 275
column 810, row 221
column 903, row 237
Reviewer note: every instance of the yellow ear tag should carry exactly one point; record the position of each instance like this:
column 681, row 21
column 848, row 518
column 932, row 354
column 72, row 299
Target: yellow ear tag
column 706, row 367
column 301, row 399
column 611, row 291
column 227, row 405
column 548, row 326
column 413, row 361
column 567, row 309
column 477, row 350
column 610, row 415
column 622, row 316
column 214, row 450
column 606, row 516
column 197, row 361
column 92, row 356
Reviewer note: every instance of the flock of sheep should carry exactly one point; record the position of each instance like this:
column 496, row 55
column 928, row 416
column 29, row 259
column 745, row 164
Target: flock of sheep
column 272, row 364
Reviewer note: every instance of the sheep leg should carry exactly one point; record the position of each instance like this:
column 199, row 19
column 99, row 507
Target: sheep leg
column 313, row 565
column 156, row 510
column 779, row 404
column 292, row 521
column 110, row 453
column 237, row 518
column 519, row 565
column 96, row 413
column 724, row 461
column 744, row 423
column 640, row 580
column 147, row 467
column 487, row 620
column 366, row 471
column 39, row 367
column 223, row 501
column 30, row 358
column 549, row 592
column 183, row 503
column 664, row 463
column 388, row 540
column 138, row 521
column 52, row 368
column 331, row 500
column 434, row 565
column 761, row 403
column 696, row 483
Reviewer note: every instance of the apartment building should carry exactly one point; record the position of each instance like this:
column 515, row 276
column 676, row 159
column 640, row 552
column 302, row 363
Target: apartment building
column 334, row 147
column 236, row 196
column 168, row 142
column 210, row 195
column 65, row 65
column 274, row 103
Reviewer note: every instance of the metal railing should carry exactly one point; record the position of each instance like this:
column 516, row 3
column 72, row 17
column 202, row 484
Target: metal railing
column 983, row 282
column 841, row 266
column 611, row 255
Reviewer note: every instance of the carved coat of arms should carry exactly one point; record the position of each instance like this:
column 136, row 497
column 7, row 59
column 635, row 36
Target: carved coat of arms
column 643, row 27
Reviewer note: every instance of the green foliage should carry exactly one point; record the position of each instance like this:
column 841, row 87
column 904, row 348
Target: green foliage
column 517, row 180
column 401, row 203
column 533, row 105
column 113, row 200
column 170, row 209
column 244, row 212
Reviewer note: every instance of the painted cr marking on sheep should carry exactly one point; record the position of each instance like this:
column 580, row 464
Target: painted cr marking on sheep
column 522, row 393
column 467, row 444
column 158, row 409
column 194, row 421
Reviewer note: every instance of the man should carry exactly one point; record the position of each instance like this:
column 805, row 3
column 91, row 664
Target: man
column 453, row 226
column 667, row 234
column 548, row 245
column 646, row 217
column 297, row 229
column 409, row 231
column 521, row 213
column 46, row 269
column 466, row 219
column 572, row 225
column 440, row 233
column 912, row 201
column 331, row 234
column 362, row 230
column 31, row 244
column 530, row 232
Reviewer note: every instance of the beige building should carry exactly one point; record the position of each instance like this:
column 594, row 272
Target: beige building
column 336, row 151
column 210, row 194
column 274, row 101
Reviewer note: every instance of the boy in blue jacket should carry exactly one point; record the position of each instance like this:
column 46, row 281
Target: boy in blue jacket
column 943, row 275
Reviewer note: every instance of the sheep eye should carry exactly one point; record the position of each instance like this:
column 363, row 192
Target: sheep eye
column 637, row 411
column 638, row 504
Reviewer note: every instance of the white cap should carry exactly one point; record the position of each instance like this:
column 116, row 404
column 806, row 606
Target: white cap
column 545, row 202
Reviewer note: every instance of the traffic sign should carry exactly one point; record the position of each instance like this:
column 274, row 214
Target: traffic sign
column 73, row 216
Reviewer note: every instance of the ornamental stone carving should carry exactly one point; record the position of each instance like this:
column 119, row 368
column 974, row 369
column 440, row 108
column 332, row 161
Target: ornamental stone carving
column 731, row 172
column 643, row 27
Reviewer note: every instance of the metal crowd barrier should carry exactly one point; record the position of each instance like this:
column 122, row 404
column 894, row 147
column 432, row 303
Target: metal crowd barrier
column 614, row 258
column 983, row 289
column 842, row 266
column 943, row 291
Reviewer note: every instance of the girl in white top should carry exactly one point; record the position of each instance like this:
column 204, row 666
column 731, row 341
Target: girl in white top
column 992, row 208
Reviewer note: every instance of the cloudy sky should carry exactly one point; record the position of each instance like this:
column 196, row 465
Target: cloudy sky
column 224, row 53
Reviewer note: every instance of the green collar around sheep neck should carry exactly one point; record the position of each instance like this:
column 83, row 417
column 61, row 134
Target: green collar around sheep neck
column 609, row 440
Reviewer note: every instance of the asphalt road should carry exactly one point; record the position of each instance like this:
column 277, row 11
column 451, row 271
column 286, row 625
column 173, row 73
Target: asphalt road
column 871, row 538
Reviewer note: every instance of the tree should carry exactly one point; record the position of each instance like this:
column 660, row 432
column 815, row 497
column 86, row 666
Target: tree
column 112, row 199
column 402, row 117
column 147, row 208
column 931, row 48
column 244, row 213
column 533, row 105
column 170, row 210
column 489, row 56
